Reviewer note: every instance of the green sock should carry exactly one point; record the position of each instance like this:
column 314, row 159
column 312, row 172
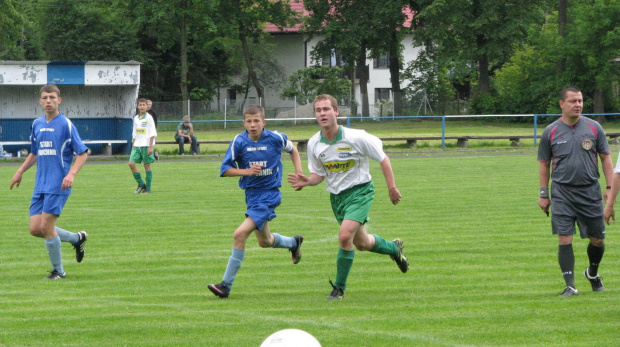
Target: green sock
column 138, row 178
column 149, row 178
column 384, row 247
column 344, row 263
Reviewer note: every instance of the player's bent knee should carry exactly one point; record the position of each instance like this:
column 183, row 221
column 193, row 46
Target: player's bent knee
column 265, row 243
column 597, row 242
column 36, row 232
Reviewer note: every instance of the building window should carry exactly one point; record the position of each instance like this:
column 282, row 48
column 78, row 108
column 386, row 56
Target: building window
column 232, row 97
column 382, row 94
column 333, row 60
column 381, row 62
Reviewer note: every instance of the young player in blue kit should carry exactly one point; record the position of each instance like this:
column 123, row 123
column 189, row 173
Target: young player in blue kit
column 255, row 156
column 54, row 140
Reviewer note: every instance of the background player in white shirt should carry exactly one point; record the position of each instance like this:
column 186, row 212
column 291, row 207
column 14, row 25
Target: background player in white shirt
column 341, row 156
column 54, row 141
column 143, row 139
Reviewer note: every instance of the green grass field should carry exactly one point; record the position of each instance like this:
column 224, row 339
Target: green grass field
column 483, row 271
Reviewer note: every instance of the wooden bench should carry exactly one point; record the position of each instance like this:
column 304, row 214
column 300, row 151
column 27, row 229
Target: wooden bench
column 412, row 141
column 107, row 144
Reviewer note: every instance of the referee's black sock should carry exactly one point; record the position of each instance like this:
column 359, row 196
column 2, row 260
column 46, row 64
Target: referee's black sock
column 566, row 258
column 595, row 254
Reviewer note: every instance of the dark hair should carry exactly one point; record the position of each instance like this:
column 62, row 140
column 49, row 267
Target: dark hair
column 326, row 97
column 568, row 89
column 50, row 88
column 254, row 109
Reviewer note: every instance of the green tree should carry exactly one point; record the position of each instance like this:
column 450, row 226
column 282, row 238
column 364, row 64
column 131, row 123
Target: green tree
column 11, row 27
column 480, row 34
column 429, row 81
column 95, row 31
column 173, row 29
column 343, row 26
column 593, row 42
column 529, row 83
column 353, row 28
column 244, row 20
column 306, row 83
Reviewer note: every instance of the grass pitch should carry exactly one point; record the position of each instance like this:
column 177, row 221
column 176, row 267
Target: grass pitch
column 483, row 271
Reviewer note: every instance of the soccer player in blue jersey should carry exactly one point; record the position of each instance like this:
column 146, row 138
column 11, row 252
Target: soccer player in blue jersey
column 255, row 156
column 54, row 141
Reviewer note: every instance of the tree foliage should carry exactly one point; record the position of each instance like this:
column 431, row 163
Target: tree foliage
column 11, row 27
column 306, row 83
column 245, row 20
column 480, row 34
column 89, row 31
column 529, row 83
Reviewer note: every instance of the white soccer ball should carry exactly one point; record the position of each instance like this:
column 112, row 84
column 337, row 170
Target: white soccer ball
column 290, row 338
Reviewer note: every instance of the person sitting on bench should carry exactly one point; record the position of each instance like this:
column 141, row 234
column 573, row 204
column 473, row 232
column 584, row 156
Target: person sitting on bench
column 185, row 133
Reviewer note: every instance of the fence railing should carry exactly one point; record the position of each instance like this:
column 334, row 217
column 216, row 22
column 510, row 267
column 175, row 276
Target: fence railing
column 441, row 118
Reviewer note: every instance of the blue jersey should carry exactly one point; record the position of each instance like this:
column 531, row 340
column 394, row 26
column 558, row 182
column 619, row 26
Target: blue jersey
column 243, row 152
column 54, row 144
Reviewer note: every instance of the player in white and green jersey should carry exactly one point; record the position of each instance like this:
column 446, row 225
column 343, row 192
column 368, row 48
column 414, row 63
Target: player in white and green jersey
column 143, row 139
column 341, row 156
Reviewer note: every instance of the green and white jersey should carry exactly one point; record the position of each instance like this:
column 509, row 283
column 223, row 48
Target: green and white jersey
column 143, row 130
column 344, row 162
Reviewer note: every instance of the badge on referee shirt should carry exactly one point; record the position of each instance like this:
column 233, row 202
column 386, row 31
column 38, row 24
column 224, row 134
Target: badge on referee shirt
column 586, row 144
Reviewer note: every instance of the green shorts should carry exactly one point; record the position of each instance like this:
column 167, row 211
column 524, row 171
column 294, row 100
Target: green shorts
column 353, row 203
column 138, row 154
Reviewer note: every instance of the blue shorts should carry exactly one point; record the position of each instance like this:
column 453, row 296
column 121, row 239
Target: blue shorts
column 262, row 205
column 48, row 203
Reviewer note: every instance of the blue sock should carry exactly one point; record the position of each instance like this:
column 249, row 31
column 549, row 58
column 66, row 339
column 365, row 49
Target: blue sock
column 283, row 241
column 234, row 263
column 54, row 252
column 67, row 236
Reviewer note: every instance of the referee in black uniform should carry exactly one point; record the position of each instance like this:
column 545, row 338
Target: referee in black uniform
column 568, row 154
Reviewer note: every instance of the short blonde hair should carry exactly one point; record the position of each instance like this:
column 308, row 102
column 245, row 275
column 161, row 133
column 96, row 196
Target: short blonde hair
column 186, row 117
column 331, row 99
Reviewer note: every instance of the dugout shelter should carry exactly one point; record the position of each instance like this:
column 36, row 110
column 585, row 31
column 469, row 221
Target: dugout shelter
column 99, row 97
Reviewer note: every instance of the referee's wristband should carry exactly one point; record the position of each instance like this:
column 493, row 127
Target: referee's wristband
column 544, row 193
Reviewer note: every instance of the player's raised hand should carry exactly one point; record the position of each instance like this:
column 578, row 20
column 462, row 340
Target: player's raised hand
column 298, row 181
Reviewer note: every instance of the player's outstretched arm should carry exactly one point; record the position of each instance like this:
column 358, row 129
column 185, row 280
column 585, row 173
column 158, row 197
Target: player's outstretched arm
column 296, row 159
column 252, row 171
column 17, row 178
column 609, row 214
column 386, row 168
column 608, row 172
column 301, row 180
